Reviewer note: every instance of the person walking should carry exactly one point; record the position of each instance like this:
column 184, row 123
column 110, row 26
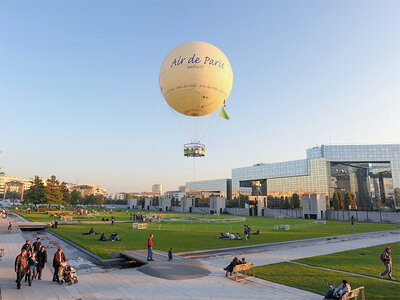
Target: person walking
column 21, row 265
column 387, row 261
column 32, row 263
column 36, row 245
column 59, row 258
column 10, row 225
column 28, row 247
column 42, row 261
column 150, row 248
column 112, row 220
column 170, row 254
column 352, row 222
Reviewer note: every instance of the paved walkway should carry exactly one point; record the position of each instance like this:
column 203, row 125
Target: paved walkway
column 132, row 284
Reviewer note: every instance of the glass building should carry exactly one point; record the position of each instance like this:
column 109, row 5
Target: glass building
column 370, row 172
column 218, row 187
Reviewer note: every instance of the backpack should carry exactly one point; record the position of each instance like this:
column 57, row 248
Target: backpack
column 382, row 257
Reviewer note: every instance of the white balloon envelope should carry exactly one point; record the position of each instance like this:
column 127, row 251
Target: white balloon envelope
column 196, row 79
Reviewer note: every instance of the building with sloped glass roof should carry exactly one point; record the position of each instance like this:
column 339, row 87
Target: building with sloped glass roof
column 370, row 172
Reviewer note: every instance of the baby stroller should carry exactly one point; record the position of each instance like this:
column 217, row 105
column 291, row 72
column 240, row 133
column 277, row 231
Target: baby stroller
column 67, row 274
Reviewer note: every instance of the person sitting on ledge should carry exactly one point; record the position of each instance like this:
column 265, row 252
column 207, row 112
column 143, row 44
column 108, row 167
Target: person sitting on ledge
column 103, row 237
column 221, row 236
column 238, row 236
column 243, row 261
column 102, row 219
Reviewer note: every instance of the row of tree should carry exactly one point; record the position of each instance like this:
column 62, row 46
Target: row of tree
column 348, row 202
column 57, row 193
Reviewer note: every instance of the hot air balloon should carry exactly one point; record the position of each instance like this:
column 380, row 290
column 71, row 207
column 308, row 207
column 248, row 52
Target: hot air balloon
column 195, row 80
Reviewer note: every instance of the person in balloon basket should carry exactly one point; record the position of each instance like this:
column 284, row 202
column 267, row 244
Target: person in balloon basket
column 59, row 258
column 150, row 248
column 21, row 266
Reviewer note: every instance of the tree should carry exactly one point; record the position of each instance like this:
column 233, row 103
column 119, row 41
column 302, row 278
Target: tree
column 242, row 200
column 353, row 203
column 89, row 200
column 75, row 198
column 36, row 193
column 340, row 198
column 347, row 200
column 65, row 192
column 296, row 200
column 287, row 203
column 99, row 199
column 53, row 193
column 282, row 202
column 335, row 201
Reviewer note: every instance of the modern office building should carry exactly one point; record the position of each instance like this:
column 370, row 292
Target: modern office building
column 216, row 187
column 370, row 172
column 156, row 189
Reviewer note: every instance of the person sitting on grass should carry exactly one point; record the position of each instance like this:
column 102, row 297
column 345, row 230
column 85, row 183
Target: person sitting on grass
column 221, row 236
column 238, row 236
column 257, row 232
column 243, row 261
column 114, row 237
column 231, row 266
column 103, row 237
column 91, row 232
column 226, row 235
column 232, row 236
column 339, row 292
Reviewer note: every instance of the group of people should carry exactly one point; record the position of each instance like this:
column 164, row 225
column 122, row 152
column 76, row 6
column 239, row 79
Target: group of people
column 30, row 262
column 229, row 236
column 114, row 237
column 236, row 261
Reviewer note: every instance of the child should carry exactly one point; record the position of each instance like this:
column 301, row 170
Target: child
column 170, row 254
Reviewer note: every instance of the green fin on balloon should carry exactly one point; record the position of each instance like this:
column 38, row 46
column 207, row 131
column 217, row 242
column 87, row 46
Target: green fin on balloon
column 224, row 114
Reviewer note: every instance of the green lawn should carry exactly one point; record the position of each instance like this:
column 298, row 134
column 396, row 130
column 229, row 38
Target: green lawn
column 185, row 236
column 361, row 261
column 314, row 280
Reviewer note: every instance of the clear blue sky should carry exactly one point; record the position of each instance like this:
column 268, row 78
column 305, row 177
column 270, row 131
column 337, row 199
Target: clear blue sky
column 79, row 94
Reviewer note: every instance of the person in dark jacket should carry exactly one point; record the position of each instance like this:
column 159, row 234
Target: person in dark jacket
column 231, row 266
column 36, row 245
column 42, row 261
column 59, row 258
column 28, row 247
column 21, row 264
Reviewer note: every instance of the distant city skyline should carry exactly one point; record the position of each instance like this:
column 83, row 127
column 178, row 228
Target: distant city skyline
column 79, row 94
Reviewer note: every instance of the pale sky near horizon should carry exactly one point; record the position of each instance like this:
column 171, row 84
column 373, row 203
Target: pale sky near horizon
column 79, row 94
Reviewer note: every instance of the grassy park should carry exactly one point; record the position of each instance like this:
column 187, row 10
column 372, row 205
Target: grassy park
column 189, row 236
column 363, row 261
column 314, row 280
